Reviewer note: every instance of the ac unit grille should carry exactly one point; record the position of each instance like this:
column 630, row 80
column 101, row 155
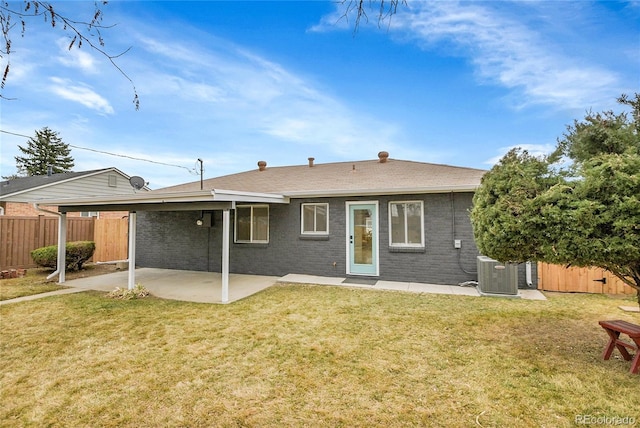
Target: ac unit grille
column 497, row 278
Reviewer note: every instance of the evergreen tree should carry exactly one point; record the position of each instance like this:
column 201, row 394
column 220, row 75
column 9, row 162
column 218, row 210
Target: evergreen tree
column 46, row 149
column 584, row 214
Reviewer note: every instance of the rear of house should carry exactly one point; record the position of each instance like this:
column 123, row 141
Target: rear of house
column 385, row 219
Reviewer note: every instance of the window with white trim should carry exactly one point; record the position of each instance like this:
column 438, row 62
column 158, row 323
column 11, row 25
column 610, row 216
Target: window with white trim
column 406, row 223
column 315, row 219
column 252, row 224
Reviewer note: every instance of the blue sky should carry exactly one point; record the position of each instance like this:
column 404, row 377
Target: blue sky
column 233, row 83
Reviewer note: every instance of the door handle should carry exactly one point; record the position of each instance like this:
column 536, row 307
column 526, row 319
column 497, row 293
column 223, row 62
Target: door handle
column 351, row 239
column 602, row 280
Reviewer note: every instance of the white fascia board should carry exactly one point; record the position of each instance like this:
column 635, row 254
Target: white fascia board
column 240, row 196
column 170, row 197
column 136, row 198
column 392, row 191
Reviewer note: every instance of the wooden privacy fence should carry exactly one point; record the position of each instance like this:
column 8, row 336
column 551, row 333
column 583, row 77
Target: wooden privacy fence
column 21, row 235
column 580, row 280
column 111, row 236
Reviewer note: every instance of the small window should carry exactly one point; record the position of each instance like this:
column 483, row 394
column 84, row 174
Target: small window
column 89, row 214
column 315, row 219
column 252, row 224
column 406, row 220
column 113, row 181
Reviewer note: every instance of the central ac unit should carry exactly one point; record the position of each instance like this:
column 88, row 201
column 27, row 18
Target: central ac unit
column 497, row 279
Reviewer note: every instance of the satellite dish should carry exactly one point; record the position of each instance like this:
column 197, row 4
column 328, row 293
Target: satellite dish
column 137, row 182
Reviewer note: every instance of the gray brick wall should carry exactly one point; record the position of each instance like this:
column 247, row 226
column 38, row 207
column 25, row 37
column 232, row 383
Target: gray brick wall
column 173, row 240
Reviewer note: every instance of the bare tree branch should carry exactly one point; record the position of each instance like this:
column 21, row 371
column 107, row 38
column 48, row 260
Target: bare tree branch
column 387, row 8
column 91, row 33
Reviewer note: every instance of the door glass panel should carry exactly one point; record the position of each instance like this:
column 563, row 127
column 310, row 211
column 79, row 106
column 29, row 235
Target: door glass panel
column 362, row 236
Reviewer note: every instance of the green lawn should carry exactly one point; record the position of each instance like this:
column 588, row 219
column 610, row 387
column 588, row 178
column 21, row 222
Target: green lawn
column 312, row 356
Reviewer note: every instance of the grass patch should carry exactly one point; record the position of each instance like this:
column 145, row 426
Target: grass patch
column 35, row 281
column 311, row 356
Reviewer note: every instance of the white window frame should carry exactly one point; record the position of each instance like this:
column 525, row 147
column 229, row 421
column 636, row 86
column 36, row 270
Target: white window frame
column 89, row 214
column 251, row 240
column 406, row 244
column 315, row 219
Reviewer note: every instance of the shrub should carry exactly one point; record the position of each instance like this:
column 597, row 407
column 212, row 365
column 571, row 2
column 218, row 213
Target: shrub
column 77, row 254
column 138, row 292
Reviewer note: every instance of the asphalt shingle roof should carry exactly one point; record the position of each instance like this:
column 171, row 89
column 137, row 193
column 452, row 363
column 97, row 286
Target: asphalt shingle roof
column 335, row 178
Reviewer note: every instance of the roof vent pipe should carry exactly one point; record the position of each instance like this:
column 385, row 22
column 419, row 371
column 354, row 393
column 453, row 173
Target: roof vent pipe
column 262, row 165
column 383, row 156
column 311, row 162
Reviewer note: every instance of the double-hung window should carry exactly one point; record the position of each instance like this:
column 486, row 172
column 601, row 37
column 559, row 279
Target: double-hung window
column 406, row 221
column 252, row 224
column 315, row 219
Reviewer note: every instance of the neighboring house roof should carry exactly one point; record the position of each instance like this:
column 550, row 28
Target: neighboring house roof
column 82, row 183
column 382, row 176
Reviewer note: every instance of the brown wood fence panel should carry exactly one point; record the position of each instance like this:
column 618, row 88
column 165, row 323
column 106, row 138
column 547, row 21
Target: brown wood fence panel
column 79, row 229
column 111, row 236
column 21, row 235
column 580, row 280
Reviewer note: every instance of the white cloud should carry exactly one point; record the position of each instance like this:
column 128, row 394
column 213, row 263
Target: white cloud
column 503, row 48
column 228, row 84
column 508, row 52
column 81, row 94
column 76, row 57
column 533, row 149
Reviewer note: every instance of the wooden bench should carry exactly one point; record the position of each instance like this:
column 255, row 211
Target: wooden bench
column 613, row 329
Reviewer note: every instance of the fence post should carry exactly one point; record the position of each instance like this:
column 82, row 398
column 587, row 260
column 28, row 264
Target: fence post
column 40, row 231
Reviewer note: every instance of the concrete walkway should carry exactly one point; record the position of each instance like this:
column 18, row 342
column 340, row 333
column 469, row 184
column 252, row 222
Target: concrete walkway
column 412, row 287
column 42, row 295
column 205, row 287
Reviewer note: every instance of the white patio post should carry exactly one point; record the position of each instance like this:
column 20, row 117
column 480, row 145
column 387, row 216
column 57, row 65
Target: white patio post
column 225, row 256
column 132, row 250
column 62, row 247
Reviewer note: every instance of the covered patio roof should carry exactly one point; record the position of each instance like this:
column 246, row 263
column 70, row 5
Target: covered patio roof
column 214, row 199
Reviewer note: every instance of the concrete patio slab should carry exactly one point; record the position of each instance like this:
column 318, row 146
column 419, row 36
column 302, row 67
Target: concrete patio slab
column 206, row 287
column 184, row 285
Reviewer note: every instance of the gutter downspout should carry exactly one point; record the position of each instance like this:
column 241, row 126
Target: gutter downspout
column 528, row 274
column 62, row 243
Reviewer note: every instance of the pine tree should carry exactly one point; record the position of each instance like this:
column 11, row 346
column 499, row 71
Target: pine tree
column 46, row 149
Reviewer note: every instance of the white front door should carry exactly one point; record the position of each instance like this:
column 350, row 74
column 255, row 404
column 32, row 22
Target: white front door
column 362, row 238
